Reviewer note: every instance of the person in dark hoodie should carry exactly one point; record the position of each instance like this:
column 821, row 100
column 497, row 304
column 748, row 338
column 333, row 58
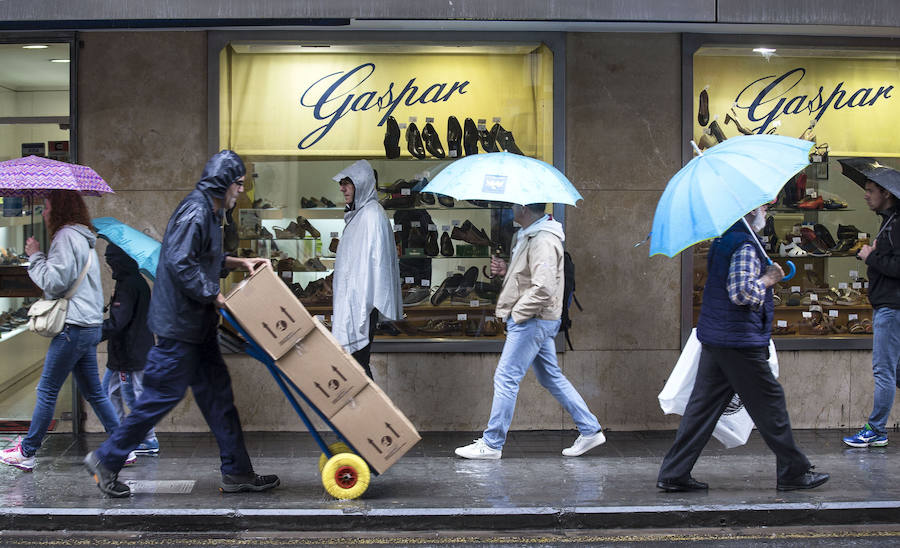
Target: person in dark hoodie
column 129, row 339
column 183, row 317
column 882, row 260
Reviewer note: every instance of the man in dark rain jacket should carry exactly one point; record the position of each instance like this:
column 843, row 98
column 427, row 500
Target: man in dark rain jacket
column 183, row 317
column 129, row 339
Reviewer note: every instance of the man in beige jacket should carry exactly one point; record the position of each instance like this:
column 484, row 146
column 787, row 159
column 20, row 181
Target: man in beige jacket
column 531, row 304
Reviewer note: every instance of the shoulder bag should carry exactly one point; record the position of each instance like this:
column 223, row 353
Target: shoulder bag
column 47, row 317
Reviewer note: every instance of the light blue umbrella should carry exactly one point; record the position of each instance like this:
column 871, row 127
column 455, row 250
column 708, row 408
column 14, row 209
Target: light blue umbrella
column 504, row 177
column 137, row 245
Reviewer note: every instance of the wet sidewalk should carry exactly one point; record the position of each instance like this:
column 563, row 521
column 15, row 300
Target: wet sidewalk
column 531, row 487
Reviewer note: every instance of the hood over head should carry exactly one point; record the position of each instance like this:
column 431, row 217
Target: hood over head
column 363, row 177
column 224, row 168
column 120, row 262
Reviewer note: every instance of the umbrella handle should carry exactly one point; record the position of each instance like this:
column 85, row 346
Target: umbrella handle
column 791, row 271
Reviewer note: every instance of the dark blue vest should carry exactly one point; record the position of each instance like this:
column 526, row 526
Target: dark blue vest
column 723, row 323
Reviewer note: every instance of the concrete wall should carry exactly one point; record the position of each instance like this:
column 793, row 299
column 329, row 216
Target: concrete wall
column 142, row 115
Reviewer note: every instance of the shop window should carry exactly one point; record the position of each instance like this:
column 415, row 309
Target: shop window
column 298, row 113
column 843, row 101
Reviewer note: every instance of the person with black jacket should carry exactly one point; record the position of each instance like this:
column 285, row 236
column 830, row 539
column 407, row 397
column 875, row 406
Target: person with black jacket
column 128, row 338
column 184, row 319
column 883, row 261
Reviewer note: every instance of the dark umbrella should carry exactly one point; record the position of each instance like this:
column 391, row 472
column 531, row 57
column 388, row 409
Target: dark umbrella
column 861, row 170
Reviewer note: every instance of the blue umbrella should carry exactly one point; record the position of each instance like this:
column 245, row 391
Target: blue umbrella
column 718, row 187
column 504, row 177
column 137, row 245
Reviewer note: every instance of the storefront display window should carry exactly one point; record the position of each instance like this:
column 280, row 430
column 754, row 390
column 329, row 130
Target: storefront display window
column 843, row 101
column 34, row 120
column 298, row 113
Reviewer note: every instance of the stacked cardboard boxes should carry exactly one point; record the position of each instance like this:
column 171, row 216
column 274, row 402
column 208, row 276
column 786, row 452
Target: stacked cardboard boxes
column 321, row 369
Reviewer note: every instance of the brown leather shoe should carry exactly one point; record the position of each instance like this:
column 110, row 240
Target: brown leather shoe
column 305, row 225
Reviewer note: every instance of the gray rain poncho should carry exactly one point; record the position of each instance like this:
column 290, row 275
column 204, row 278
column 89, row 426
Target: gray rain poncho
column 366, row 272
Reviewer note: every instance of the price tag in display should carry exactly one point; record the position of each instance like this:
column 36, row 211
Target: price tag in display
column 807, row 314
column 462, row 317
column 404, row 192
column 432, row 228
column 461, row 268
column 445, row 228
column 866, row 285
column 862, row 235
column 413, row 119
column 398, row 228
column 795, row 289
column 429, row 119
column 320, row 317
column 808, row 266
column 815, row 308
column 833, row 313
column 842, row 285
column 334, row 234
column 426, row 283
column 415, row 224
column 496, row 119
column 401, row 125
column 473, row 304
column 817, row 158
column 854, row 274
column 455, row 222
column 450, row 273
column 764, row 239
column 811, row 192
column 857, row 285
column 853, row 316
column 797, row 240
column 814, row 297
column 452, row 154
column 409, row 280
column 781, row 323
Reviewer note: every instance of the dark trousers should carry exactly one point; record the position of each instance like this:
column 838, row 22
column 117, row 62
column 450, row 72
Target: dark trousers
column 722, row 372
column 364, row 354
column 173, row 366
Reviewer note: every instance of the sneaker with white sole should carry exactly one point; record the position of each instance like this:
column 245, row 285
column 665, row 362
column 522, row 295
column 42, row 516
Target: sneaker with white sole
column 14, row 457
column 132, row 458
column 478, row 450
column 866, row 437
column 583, row 444
column 148, row 447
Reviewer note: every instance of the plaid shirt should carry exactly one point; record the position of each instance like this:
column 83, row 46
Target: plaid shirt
column 744, row 285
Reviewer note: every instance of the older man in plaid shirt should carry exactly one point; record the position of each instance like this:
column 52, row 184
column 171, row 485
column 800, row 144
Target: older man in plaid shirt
column 735, row 326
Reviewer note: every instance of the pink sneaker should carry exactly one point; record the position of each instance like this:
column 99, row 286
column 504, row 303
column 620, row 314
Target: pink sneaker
column 14, row 457
column 132, row 458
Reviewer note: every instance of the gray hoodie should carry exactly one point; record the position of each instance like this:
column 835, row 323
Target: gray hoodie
column 58, row 270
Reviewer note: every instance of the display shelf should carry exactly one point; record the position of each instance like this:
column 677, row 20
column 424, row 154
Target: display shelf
column 798, row 210
column 22, row 220
column 10, row 334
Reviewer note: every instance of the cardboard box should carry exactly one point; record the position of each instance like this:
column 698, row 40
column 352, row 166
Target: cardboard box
column 269, row 312
column 379, row 431
column 323, row 371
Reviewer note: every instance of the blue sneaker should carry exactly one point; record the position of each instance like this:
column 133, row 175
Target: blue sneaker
column 148, row 447
column 866, row 437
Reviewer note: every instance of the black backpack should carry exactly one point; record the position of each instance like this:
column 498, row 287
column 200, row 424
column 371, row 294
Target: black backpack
column 568, row 295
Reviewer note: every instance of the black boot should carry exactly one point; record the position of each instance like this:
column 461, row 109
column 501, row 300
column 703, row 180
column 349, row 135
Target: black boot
column 392, row 138
column 454, row 138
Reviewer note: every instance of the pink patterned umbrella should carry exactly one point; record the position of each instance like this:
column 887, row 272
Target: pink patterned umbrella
column 35, row 176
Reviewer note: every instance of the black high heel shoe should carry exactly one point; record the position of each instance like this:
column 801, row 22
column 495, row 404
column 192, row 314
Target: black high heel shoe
column 414, row 141
column 432, row 141
column 470, row 137
column 505, row 139
column 703, row 111
column 454, row 138
column 487, row 141
column 392, row 138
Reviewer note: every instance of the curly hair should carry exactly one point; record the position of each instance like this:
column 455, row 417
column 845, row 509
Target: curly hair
column 66, row 208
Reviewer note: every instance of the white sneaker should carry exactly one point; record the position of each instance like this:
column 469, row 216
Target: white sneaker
column 132, row 458
column 478, row 450
column 14, row 457
column 583, row 444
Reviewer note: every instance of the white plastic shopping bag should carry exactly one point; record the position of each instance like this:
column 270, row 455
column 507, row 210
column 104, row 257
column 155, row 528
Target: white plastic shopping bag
column 734, row 425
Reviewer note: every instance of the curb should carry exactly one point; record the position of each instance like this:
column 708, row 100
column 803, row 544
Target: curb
column 421, row 519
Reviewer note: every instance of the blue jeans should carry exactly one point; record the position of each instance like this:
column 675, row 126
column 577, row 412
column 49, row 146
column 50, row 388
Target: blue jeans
column 73, row 350
column 527, row 343
column 885, row 357
column 172, row 367
column 123, row 388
